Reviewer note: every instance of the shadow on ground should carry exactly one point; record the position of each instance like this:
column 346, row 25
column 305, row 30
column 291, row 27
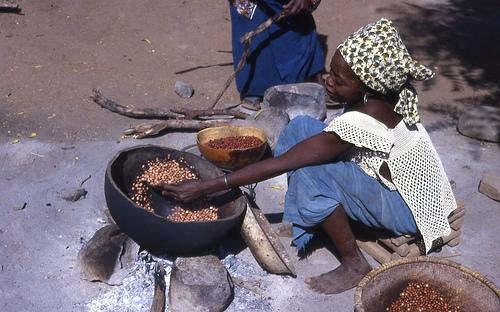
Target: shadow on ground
column 461, row 39
column 461, row 31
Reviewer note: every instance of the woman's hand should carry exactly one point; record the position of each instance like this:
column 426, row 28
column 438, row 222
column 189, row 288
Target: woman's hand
column 298, row 6
column 186, row 191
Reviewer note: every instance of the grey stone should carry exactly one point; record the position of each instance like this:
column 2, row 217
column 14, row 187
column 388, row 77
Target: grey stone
column 183, row 89
column 98, row 257
column 481, row 122
column 490, row 186
column 273, row 121
column 73, row 194
column 21, row 207
column 297, row 99
column 200, row 284
column 127, row 260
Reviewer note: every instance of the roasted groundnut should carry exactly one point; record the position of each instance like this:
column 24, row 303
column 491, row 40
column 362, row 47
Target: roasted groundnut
column 159, row 171
column 235, row 142
column 420, row 296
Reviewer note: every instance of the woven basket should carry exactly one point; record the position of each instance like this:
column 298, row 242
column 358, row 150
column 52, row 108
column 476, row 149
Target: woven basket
column 465, row 287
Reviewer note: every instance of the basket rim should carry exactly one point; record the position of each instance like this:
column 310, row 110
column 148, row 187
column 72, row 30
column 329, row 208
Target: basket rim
column 359, row 289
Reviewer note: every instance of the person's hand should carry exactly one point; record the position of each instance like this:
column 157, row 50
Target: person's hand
column 185, row 192
column 297, row 6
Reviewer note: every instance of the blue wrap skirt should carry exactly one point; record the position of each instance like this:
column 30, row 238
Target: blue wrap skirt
column 287, row 52
column 315, row 191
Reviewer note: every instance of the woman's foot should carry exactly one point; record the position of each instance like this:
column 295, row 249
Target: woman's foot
column 343, row 278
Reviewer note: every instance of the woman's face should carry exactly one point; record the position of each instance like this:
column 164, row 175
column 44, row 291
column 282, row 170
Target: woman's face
column 342, row 85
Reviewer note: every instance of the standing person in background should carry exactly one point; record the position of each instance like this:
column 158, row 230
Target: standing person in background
column 287, row 52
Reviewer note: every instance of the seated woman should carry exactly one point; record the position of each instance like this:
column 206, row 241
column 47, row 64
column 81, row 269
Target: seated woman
column 374, row 164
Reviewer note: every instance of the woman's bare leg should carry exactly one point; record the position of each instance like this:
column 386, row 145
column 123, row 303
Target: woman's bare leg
column 353, row 265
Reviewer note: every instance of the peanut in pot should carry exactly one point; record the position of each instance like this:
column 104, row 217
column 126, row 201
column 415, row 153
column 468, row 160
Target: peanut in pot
column 170, row 171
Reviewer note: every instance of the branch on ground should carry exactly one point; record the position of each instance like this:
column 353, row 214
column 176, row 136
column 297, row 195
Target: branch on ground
column 145, row 130
column 158, row 113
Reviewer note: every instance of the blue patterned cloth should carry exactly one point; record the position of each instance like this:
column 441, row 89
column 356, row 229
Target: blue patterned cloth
column 288, row 52
column 315, row 191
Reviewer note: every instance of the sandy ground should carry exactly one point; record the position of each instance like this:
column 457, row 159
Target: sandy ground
column 58, row 51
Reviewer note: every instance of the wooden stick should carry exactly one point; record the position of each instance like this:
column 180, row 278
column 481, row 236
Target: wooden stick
column 375, row 250
column 246, row 40
column 111, row 105
column 159, row 296
column 456, row 216
column 457, row 224
column 402, row 249
column 398, row 241
column 158, row 113
column 196, row 114
column 145, row 130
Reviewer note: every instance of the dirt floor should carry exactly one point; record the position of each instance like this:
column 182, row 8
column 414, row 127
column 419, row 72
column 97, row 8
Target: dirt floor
column 57, row 51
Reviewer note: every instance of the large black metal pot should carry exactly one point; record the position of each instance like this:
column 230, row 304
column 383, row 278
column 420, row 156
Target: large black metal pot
column 151, row 230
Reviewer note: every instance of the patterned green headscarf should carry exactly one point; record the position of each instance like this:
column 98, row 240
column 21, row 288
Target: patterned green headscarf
column 378, row 56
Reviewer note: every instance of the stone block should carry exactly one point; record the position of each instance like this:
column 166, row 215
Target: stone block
column 183, row 89
column 481, row 122
column 200, row 284
column 490, row 186
column 297, row 99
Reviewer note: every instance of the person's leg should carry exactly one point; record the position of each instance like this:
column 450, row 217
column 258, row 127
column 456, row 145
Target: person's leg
column 297, row 130
column 330, row 194
column 353, row 265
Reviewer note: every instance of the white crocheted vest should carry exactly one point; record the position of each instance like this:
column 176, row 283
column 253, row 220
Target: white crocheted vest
column 416, row 170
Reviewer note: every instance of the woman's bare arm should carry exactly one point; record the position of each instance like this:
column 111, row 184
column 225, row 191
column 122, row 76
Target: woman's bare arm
column 321, row 148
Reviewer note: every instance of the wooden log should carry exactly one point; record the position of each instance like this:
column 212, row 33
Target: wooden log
column 454, row 234
column 158, row 113
column 111, row 105
column 195, row 114
column 375, row 250
column 414, row 251
column 402, row 249
column 458, row 213
column 159, row 296
column 456, row 216
column 404, row 239
column 457, row 224
column 454, row 242
column 145, row 130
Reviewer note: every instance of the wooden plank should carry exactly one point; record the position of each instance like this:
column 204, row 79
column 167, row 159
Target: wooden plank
column 456, row 216
column 457, row 224
column 453, row 234
column 454, row 242
column 400, row 240
column 402, row 249
column 375, row 250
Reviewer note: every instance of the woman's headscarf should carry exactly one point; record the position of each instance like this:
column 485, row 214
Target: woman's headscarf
column 378, row 56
